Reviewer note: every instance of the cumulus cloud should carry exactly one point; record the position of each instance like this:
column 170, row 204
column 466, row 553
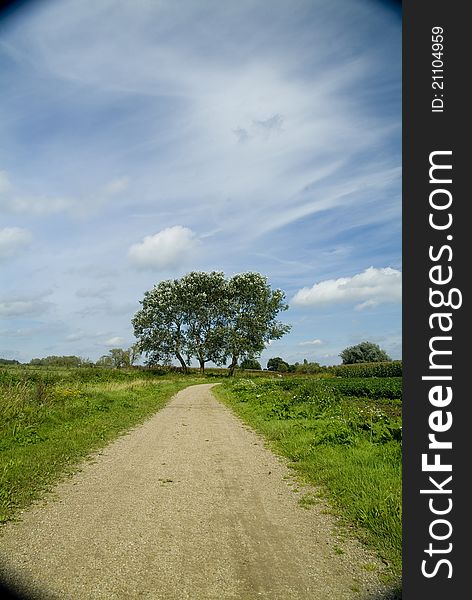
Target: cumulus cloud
column 371, row 287
column 169, row 248
column 13, row 240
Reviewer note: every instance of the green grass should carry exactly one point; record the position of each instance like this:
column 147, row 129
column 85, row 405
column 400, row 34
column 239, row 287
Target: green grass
column 348, row 445
column 51, row 419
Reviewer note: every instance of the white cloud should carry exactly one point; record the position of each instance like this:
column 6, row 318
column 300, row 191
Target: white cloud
column 13, row 240
column 316, row 342
column 372, row 287
column 114, row 342
column 17, row 308
column 166, row 249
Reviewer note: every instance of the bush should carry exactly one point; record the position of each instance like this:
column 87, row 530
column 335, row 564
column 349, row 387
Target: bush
column 365, row 352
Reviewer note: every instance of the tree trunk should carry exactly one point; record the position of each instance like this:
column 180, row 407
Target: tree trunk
column 202, row 365
column 232, row 366
column 182, row 362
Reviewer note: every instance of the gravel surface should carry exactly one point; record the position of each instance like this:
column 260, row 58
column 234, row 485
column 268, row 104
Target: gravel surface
column 190, row 505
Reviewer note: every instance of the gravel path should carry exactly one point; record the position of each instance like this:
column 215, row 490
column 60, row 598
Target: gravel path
column 190, row 505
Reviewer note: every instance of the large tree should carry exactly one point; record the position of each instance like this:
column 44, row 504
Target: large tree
column 277, row 364
column 160, row 325
column 362, row 353
column 251, row 320
column 204, row 303
column 209, row 318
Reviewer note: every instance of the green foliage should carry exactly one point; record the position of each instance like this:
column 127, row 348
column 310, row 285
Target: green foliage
column 117, row 358
column 379, row 369
column 60, row 361
column 8, row 361
column 308, row 368
column 365, row 352
column 250, row 364
column 372, row 387
column 207, row 317
column 277, row 364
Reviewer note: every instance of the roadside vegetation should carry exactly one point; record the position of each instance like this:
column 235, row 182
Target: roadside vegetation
column 342, row 434
column 52, row 418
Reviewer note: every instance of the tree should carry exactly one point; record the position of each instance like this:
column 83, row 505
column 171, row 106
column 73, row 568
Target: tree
column 134, row 354
column 9, row 361
column 209, row 318
column 251, row 321
column 363, row 352
column 204, row 300
column 160, row 325
column 105, row 361
column 277, row 364
column 119, row 358
column 307, row 367
column 251, row 363
column 59, row 361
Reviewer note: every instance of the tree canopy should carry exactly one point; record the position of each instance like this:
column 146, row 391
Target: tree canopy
column 277, row 364
column 362, row 353
column 60, row 361
column 206, row 317
column 250, row 364
column 118, row 358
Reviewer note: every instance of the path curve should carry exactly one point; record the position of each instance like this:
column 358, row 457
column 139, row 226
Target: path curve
column 190, row 505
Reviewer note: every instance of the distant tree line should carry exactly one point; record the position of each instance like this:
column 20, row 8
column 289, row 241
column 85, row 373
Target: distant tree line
column 61, row 361
column 116, row 358
column 365, row 352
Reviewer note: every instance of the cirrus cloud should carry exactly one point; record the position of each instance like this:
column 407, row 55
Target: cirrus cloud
column 372, row 287
column 169, row 248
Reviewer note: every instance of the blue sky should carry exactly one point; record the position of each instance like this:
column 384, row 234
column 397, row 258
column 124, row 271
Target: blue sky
column 142, row 140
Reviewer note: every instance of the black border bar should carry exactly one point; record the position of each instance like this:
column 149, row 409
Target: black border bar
column 436, row 125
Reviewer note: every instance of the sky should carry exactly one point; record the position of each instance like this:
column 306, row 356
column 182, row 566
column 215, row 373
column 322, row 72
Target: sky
column 143, row 140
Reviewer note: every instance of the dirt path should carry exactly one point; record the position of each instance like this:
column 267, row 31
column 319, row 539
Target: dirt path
column 190, row 505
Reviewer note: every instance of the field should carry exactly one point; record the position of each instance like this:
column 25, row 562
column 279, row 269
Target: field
column 341, row 433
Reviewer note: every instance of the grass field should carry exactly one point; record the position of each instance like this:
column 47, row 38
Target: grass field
column 50, row 419
column 344, row 436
